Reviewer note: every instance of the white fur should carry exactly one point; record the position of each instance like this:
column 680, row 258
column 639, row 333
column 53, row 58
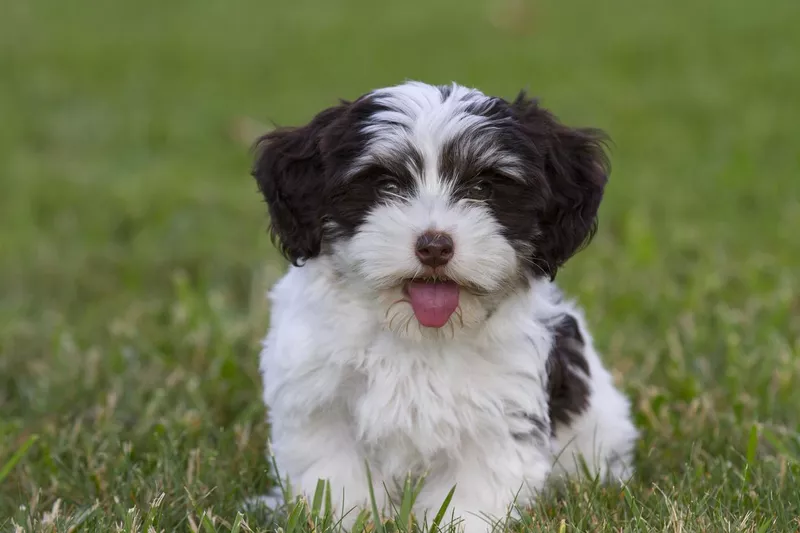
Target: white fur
column 382, row 252
column 343, row 390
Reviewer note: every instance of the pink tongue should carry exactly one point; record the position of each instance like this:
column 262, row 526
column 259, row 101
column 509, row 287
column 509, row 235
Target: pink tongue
column 433, row 303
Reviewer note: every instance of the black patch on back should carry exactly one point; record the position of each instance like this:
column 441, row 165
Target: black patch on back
column 567, row 370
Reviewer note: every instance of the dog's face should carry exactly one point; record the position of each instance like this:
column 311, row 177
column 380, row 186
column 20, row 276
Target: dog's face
column 433, row 201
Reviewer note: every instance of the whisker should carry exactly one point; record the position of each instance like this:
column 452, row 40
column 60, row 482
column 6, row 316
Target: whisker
column 452, row 330
column 532, row 261
column 460, row 315
column 392, row 320
column 408, row 323
column 401, row 300
column 398, row 196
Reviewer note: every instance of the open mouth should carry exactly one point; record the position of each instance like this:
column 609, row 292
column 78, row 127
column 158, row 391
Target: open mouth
column 434, row 300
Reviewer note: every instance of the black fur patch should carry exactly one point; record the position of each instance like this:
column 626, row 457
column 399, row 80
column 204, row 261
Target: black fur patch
column 575, row 169
column 567, row 371
column 549, row 214
column 349, row 202
column 298, row 169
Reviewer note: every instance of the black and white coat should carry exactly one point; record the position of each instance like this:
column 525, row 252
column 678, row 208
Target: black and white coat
column 509, row 394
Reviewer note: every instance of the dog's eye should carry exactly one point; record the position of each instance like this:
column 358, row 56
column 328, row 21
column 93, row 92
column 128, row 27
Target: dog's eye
column 389, row 184
column 480, row 190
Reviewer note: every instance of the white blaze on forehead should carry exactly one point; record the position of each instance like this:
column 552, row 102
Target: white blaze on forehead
column 418, row 117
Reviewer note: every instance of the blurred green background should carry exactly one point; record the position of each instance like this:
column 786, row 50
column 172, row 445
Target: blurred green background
column 134, row 256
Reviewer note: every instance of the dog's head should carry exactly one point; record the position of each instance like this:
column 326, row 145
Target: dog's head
column 435, row 201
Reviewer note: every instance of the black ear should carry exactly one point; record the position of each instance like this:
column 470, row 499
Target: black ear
column 290, row 171
column 576, row 170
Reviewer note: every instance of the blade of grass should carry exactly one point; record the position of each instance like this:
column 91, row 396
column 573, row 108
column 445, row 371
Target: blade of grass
column 319, row 497
column 208, row 526
column 131, row 521
column 752, row 447
column 296, row 516
column 237, row 523
column 328, row 522
column 437, row 520
column 376, row 516
column 404, row 513
column 361, row 521
column 17, row 456
column 153, row 513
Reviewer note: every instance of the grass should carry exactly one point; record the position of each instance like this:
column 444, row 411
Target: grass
column 134, row 257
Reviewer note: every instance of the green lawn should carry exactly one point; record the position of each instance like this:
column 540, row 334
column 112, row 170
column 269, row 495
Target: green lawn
column 134, row 256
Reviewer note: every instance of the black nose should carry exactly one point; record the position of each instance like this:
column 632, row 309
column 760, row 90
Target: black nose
column 434, row 249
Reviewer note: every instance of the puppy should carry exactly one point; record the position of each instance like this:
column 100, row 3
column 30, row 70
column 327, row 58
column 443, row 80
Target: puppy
column 419, row 331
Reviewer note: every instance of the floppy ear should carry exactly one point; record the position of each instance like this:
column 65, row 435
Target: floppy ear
column 576, row 170
column 290, row 171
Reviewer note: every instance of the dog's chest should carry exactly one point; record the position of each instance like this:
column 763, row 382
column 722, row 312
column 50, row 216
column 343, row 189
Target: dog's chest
column 427, row 398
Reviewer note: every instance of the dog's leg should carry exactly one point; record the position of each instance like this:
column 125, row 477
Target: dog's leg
column 599, row 441
column 599, row 437
column 322, row 448
column 492, row 479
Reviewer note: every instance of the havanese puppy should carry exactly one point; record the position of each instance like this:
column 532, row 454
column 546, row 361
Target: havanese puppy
column 419, row 331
